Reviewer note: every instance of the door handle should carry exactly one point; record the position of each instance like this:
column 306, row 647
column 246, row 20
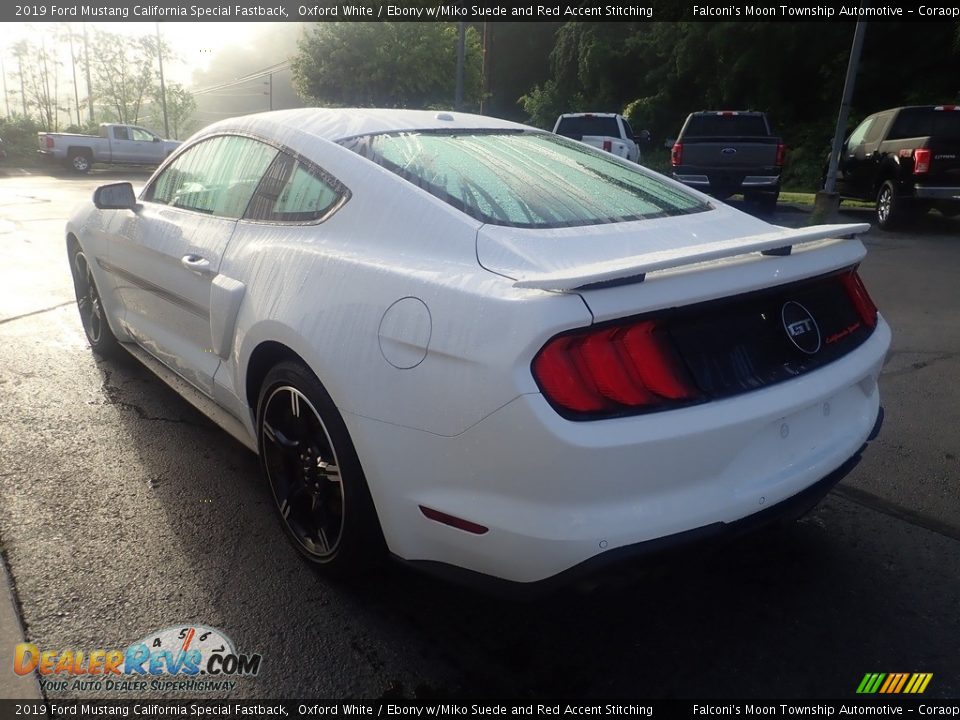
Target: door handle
column 197, row 264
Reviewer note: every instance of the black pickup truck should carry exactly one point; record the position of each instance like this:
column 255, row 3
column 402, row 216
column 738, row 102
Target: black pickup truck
column 907, row 160
column 725, row 152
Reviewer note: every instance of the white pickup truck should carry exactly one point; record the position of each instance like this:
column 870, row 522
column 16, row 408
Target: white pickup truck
column 607, row 131
column 115, row 145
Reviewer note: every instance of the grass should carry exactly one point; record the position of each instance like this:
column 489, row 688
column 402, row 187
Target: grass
column 802, row 198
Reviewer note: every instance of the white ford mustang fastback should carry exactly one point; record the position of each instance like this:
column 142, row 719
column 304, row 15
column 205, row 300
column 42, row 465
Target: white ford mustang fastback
column 484, row 348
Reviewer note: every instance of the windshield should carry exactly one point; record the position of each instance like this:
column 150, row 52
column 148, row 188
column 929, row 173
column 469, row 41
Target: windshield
column 523, row 179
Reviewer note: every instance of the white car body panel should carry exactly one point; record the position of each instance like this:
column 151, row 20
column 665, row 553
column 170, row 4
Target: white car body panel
column 422, row 323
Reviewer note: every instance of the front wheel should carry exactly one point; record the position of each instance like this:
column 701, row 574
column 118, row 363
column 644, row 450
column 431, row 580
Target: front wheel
column 92, row 314
column 318, row 486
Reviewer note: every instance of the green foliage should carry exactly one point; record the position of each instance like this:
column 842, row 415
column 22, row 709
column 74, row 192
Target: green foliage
column 386, row 64
column 657, row 73
column 19, row 135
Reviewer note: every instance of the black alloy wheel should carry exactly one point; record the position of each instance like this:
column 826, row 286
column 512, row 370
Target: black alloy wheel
column 317, row 483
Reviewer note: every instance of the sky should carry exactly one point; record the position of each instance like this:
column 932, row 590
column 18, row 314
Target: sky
column 194, row 43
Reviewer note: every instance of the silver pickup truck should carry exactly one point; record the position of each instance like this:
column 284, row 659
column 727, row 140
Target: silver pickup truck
column 115, row 145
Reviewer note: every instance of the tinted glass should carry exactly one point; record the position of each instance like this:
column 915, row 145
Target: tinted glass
column 726, row 126
column 216, row 176
column 293, row 191
column 526, row 179
column 577, row 127
column 857, row 136
column 926, row 122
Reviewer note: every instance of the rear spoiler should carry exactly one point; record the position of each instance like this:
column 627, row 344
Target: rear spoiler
column 634, row 268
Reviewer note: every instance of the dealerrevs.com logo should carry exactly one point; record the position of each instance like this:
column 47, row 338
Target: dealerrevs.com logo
column 180, row 658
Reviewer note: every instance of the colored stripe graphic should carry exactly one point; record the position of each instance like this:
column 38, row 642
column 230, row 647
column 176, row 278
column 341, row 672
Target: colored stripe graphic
column 894, row 683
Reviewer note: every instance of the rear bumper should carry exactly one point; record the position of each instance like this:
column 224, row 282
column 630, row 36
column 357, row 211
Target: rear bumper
column 730, row 181
column 629, row 560
column 925, row 192
column 555, row 494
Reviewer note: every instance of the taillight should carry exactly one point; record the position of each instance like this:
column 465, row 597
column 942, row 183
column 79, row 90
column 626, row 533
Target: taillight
column 608, row 146
column 613, row 370
column 921, row 161
column 48, row 142
column 781, row 155
column 676, row 154
column 860, row 298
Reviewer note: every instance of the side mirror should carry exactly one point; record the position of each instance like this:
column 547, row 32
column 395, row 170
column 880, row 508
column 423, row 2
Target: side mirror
column 669, row 143
column 643, row 138
column 156, row 139
column 116, row 196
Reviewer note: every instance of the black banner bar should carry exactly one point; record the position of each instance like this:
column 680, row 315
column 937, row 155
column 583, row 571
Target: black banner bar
column 874, row 706
column 467, row 10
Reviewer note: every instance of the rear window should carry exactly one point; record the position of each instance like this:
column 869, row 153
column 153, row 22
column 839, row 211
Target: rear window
column 712, row 125
column 522, row 179
column 577, row 127
column 926, row 122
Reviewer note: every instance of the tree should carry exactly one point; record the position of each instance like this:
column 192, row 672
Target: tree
column 180, row 109
column 125, row 73
column 385, row 64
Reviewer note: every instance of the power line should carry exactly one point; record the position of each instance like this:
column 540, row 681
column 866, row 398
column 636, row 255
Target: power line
column 256, row 75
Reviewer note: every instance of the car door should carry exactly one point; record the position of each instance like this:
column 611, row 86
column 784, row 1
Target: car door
column 852, row 165
column 121, row 146
column 147, row 148
column 168, row 259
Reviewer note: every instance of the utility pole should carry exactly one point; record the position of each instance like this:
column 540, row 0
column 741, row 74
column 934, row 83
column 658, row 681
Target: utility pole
column 163, row 87
column 461, row 41
column 86, row 62
column 6, row 95
column 827, row 201
column 73, row 64
column 485, row 89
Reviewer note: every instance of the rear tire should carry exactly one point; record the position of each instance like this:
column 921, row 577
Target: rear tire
column 892, row 210
column 79, row 162
column 318, row 486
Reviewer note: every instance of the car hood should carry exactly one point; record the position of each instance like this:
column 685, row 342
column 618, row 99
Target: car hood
column 570, row 258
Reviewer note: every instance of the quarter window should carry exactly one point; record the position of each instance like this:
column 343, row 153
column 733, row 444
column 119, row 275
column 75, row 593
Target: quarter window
column 294, row 191
column 216, row 176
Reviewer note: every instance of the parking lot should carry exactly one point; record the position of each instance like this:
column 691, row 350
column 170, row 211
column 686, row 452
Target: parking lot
column 123, row 511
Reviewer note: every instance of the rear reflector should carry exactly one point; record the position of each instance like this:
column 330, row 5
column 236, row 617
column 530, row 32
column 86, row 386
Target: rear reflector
column 612, row 370
column 921, row 161
column 453, row 521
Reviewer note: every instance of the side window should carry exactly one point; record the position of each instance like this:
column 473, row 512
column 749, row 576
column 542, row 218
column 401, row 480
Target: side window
column 876, row 128
column 294, row 191
column 627, row 129
column 216, row 176
column 141, row 134
column 120, row 133
column 856, row 137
